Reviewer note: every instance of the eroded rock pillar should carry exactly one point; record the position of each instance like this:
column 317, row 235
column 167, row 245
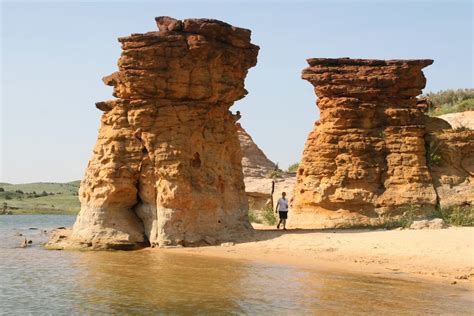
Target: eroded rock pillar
column 166, row 168
column 365, row 157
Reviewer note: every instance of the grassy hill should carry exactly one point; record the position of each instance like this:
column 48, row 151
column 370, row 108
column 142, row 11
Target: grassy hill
column 450, row 101
column 40, row 198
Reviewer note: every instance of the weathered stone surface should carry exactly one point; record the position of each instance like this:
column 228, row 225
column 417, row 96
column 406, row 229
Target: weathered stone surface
column 436, row 223
column 254, row 161
column 166, row 168
column 256, row 168
column 460, row 120
column 259, row 190
column 453, row 173
column 366, row 156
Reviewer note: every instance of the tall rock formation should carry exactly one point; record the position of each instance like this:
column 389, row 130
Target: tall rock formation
column 366, row 156
column 166, row 168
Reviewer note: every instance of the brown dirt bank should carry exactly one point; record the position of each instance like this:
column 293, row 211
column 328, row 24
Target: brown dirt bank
column 440, row 255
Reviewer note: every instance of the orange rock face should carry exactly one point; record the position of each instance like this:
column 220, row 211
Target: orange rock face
column 366, row 156
column 166, row 168
column 453, row 172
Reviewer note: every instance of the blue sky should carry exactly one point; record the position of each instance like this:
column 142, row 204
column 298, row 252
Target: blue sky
column 54, row 54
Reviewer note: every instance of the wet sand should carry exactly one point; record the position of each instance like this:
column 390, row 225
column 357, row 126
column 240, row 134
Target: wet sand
column 440, row 255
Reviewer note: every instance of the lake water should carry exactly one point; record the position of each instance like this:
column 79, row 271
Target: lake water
column 150, row 282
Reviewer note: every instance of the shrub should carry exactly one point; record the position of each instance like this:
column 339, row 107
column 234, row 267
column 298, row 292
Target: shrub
column 2, row 190
column 456, row 215
column 410, row 213
column 275, row 174
column 253, row 217
column 462, row 128
column 408, row 216
column 293, row 167
column 269, row 216
column 450, row 101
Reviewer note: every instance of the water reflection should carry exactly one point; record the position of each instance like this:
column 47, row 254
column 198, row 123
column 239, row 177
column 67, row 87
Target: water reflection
column 37, row 281
column 120, row 282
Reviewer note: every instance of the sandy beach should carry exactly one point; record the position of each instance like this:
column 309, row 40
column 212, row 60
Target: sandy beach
column 440, row 255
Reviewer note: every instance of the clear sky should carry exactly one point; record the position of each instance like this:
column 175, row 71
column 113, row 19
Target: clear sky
column 53, row 56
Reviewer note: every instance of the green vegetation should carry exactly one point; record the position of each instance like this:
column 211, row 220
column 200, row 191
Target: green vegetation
column 276, row 174
column 450, row 101
column 265, row 216
column 40, row 198
column 456, row 215
column 407, row 217
column 433, row 157
column 293, row 167
column 269, row 216
column 253, row 217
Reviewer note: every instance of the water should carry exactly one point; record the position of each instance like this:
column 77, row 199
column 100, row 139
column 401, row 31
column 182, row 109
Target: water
column 150, row 282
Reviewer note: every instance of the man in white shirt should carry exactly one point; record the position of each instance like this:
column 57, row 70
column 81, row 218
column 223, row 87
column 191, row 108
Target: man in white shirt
column 282, row 209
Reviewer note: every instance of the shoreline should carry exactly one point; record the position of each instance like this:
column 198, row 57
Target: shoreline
column 443, row 256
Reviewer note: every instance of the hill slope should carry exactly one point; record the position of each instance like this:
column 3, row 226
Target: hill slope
column 40, row 198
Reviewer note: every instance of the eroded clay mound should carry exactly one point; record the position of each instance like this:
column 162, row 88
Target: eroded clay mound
column 166, row 168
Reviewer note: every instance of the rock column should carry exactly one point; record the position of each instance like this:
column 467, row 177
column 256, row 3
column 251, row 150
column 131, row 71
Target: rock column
column 365, row 158
column 166, row 168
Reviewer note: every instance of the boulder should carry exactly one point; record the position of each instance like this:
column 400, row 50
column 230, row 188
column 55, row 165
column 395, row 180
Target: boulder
column 436, row 223
column 460, row 120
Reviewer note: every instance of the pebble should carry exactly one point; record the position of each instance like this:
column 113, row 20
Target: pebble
column 227, row 244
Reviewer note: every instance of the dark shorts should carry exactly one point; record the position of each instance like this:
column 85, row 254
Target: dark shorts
column 283, row 215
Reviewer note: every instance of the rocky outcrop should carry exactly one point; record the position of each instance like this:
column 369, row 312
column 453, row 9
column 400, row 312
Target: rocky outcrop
column 366, row 156
column 451, row 159
column 259, row 190
column 256, row 168
column 166, row 168
column 254, row 161
column 460, row 120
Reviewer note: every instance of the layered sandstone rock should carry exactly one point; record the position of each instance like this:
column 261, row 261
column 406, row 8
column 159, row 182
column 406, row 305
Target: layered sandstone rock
column 452, row 166
column 166, row 168
column 366, row 156
column 255, row 163
column 256, row 168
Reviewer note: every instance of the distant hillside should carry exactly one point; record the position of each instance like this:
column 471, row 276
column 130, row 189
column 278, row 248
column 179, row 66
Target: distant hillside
column 40, row 198
column 450, row 101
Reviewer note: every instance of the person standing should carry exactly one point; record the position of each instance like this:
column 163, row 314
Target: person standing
column 282, row 209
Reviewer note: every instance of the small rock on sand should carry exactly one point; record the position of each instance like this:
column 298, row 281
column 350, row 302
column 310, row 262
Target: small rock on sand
column 436, row 223
column 24, row 244
column 227, row 244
